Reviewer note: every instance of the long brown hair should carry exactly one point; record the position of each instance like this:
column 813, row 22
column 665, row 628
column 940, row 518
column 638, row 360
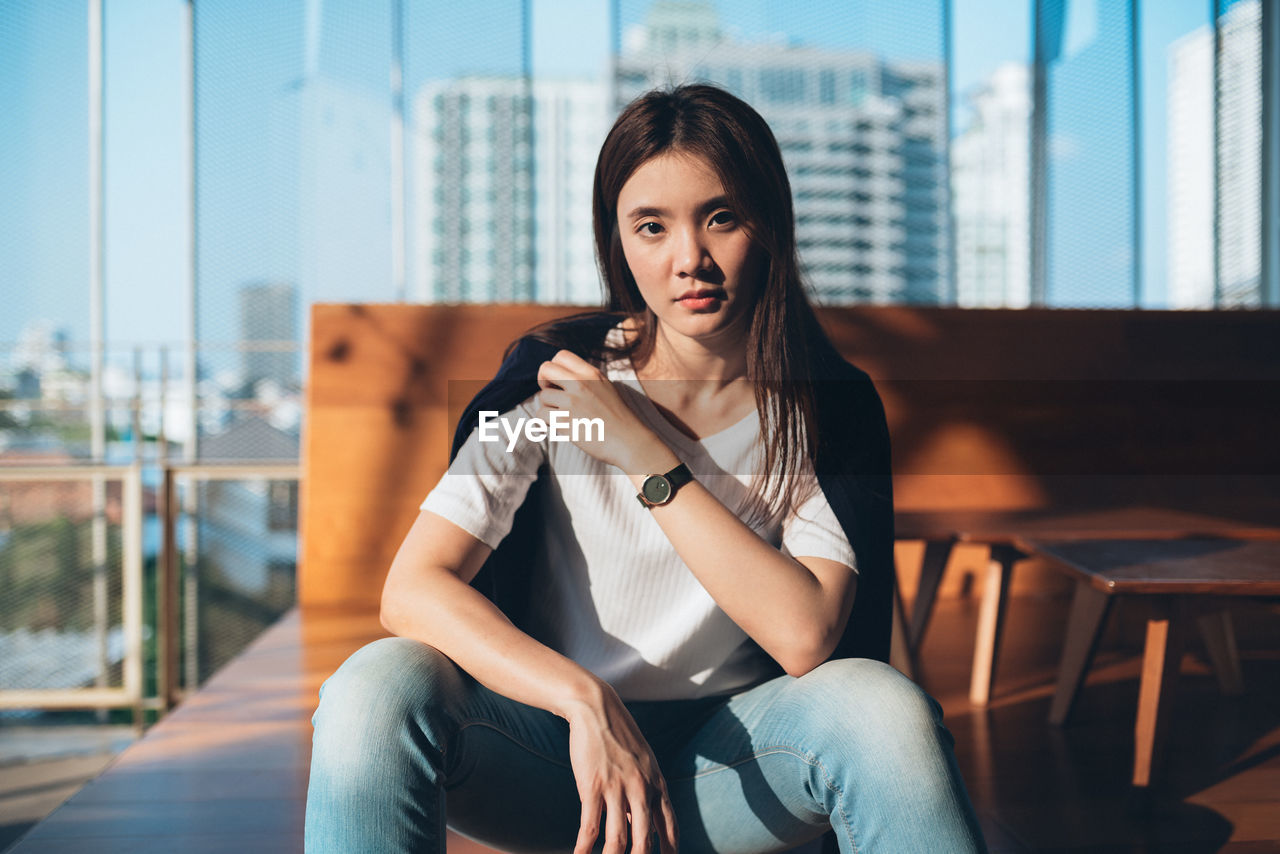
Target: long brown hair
column 784, row 341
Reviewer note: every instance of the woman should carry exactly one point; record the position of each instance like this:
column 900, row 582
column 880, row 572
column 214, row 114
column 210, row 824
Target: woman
column 663, row 655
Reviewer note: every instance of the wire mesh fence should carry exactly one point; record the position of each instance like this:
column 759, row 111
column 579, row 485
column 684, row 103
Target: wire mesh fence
column 238, row 546
column 71, row 618
column 60, row 573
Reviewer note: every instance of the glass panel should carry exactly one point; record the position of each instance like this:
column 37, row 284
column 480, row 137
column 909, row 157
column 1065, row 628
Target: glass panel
column 286, row 132
column 44, row 157
column 856, row 97
column 572, row 112
column 990, row 153
column 244, row 576
column 1178, row 196
column 1239, row 153
column 1085, row 50
column 471, row 152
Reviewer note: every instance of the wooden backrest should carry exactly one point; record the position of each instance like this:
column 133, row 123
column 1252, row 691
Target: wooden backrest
column 988, row 409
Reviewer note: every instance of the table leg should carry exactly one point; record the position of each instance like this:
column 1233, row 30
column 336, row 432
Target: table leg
column 986, row 646
column 1160, row 659
column 1220, row 643
column 936, row 554
column 900, row 655
column 1089, row 610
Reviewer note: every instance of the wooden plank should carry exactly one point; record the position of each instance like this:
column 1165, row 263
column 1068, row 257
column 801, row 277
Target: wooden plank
column 1161, row 657
column 972, row 427
column 995, row 599
column 1225, row 567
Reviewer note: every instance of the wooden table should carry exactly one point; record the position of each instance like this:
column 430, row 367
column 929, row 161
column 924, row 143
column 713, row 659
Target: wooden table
column 1005, row 533
column 1180, row 578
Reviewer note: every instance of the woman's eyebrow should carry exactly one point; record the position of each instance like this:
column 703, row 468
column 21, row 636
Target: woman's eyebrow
column 649, row 210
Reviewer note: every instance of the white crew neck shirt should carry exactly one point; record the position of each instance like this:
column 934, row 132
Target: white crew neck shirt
column 608, row 588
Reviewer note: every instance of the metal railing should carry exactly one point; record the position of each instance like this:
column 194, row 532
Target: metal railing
column 177, row 636
column 171, row 686
column 130, row 693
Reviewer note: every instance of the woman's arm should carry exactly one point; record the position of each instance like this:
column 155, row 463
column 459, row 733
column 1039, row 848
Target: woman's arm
column 794, row 608
column 427, row 597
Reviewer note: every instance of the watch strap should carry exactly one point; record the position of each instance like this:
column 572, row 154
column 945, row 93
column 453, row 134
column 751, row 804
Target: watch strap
column 676, row 478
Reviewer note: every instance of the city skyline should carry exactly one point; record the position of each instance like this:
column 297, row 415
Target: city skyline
column 154, row 308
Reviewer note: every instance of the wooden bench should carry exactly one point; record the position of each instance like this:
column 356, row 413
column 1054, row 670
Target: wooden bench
column 227, row 770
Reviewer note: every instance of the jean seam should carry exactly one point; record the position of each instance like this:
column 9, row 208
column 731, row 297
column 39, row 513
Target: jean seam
column 803, row 756
column 516, row 741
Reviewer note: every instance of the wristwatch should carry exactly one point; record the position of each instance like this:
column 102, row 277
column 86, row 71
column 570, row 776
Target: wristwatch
column 661, row 488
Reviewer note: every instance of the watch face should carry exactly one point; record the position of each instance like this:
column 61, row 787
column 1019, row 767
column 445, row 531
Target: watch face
column 656, row 489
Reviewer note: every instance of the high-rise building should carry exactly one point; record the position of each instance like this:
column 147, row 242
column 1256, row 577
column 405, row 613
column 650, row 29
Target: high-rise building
column 991, row 192
column 502, row 167
column 1190, row 164
column 1240, row 155
column 1193, row 204
column 502, row 173
column 863, row 139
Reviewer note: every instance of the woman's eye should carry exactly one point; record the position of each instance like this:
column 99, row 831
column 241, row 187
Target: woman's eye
column 643, row 226
column 723, row 218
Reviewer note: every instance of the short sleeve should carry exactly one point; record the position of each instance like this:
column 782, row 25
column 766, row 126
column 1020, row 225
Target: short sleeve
column 488, row 480
column 812, row 529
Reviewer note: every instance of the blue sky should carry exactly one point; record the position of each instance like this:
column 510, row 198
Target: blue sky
column 43, row 142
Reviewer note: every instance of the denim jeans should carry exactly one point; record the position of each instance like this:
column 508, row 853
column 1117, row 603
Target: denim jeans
column 405, row 741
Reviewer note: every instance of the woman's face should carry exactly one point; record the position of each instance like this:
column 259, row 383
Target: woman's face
column 694, row 262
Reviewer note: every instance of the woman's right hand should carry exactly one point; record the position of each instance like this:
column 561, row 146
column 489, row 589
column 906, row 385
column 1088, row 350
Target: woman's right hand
column 618, row 777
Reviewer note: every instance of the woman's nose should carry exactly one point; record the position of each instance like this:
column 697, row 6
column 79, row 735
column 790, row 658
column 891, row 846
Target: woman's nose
column 691, row 255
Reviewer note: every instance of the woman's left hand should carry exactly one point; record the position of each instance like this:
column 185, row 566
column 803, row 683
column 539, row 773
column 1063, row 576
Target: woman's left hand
column 570, row 383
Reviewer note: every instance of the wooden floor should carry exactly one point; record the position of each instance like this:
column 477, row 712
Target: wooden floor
column 227, row 770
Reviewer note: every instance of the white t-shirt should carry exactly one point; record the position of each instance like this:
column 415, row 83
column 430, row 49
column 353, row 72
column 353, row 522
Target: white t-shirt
column 608, row 588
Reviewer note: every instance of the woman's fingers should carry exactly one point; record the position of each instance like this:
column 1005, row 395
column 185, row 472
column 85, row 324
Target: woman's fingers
column 575, row 363
column 665, row 822
column 588, row 825
column 641, row 821
column 615, row 825
column 553, row 375
column 555, row 398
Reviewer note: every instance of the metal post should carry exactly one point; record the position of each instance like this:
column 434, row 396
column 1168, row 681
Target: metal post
column 1217, row 154
column 167, row 594
column 131, row 552
column 615, row 52
column 167, row 576
column 1039, row 159
column 397, row 151
column 950, row 286
column 97, row 415
column 1135, row 162
column 1270, row 285
column 162, row 434
column 135, row 423
column 192, row 447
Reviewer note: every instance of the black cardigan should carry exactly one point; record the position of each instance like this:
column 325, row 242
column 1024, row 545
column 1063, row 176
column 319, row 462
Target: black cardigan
column 852, row 466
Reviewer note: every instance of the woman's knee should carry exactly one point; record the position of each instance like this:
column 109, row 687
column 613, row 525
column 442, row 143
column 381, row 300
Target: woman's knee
column 386, row 683
column 863, row 698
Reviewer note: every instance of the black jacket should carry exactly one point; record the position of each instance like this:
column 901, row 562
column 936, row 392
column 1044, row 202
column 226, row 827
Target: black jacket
column 852, row 467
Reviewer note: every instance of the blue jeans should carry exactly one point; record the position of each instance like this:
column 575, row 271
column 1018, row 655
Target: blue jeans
column 405, row 741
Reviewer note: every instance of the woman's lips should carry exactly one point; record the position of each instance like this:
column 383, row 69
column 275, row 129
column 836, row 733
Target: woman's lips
column 701, row 299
